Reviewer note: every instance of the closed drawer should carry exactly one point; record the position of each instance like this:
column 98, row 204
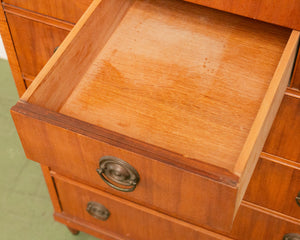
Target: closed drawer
column 127, row 220
column 116, row 218
column 66, row 10
column 275, row 185
column 34, row 42
column 256, row 223
column 118, row 90
column 284, row 137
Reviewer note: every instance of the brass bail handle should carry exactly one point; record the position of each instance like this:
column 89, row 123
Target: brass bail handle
column 115, row 172
column 98, row 211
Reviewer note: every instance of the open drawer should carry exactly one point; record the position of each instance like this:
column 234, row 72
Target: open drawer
column 175, row 99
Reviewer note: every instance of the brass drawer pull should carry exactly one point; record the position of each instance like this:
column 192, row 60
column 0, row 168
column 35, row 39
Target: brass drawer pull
column 298, row 199
column 97, row 210
column 291, row 236
column 116, row 171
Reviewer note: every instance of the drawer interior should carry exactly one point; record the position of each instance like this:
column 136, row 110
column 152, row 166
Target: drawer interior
column 196, row 84
column 178, row 76
column 172, row 74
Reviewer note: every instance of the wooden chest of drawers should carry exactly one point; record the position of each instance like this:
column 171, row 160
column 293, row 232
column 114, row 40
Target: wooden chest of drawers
column 177, row 143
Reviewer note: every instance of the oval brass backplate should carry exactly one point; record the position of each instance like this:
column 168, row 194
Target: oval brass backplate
column 97, row 210
column 115, row 171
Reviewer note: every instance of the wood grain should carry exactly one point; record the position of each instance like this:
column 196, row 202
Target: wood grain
column 292, row 92
column 80, row 46
column 252, row 222
column 270, row 104
column 165, row 88
column 263, row 121
column 29, row 113
column 83, row 226
column 75, row 152
column 284, row 136
column 11, row 54
column 39, row 38
column 192, row 103
column 127, row 220
column 131, row 84
column 275, row 186
column 282, row 12
column 258, row 223
column 69, row 11
column 37, row 17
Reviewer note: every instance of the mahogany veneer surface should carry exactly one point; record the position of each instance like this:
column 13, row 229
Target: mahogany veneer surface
column 280, row 12
column 183, row 77
column 275, row 185
column 177, row 85
column 130, row 221
column 10, row 51
column 127, row 220
column 284, row 137
column 39, row 38
column 62, row 9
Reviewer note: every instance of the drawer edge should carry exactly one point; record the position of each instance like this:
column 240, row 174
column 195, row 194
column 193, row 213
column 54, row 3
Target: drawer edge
column 270, row 104
column 37, row 17
column 24, row 111
column 266, row 115
column 11, row 54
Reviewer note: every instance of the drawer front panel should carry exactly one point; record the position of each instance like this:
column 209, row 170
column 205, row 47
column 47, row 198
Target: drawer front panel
column 281, row 13
column 275, row 186
column 34, row 42
column 255, row 223
column 66, row 10
column 131, row 221
column 162, row 186
column 120, row 218
column 284, row 137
